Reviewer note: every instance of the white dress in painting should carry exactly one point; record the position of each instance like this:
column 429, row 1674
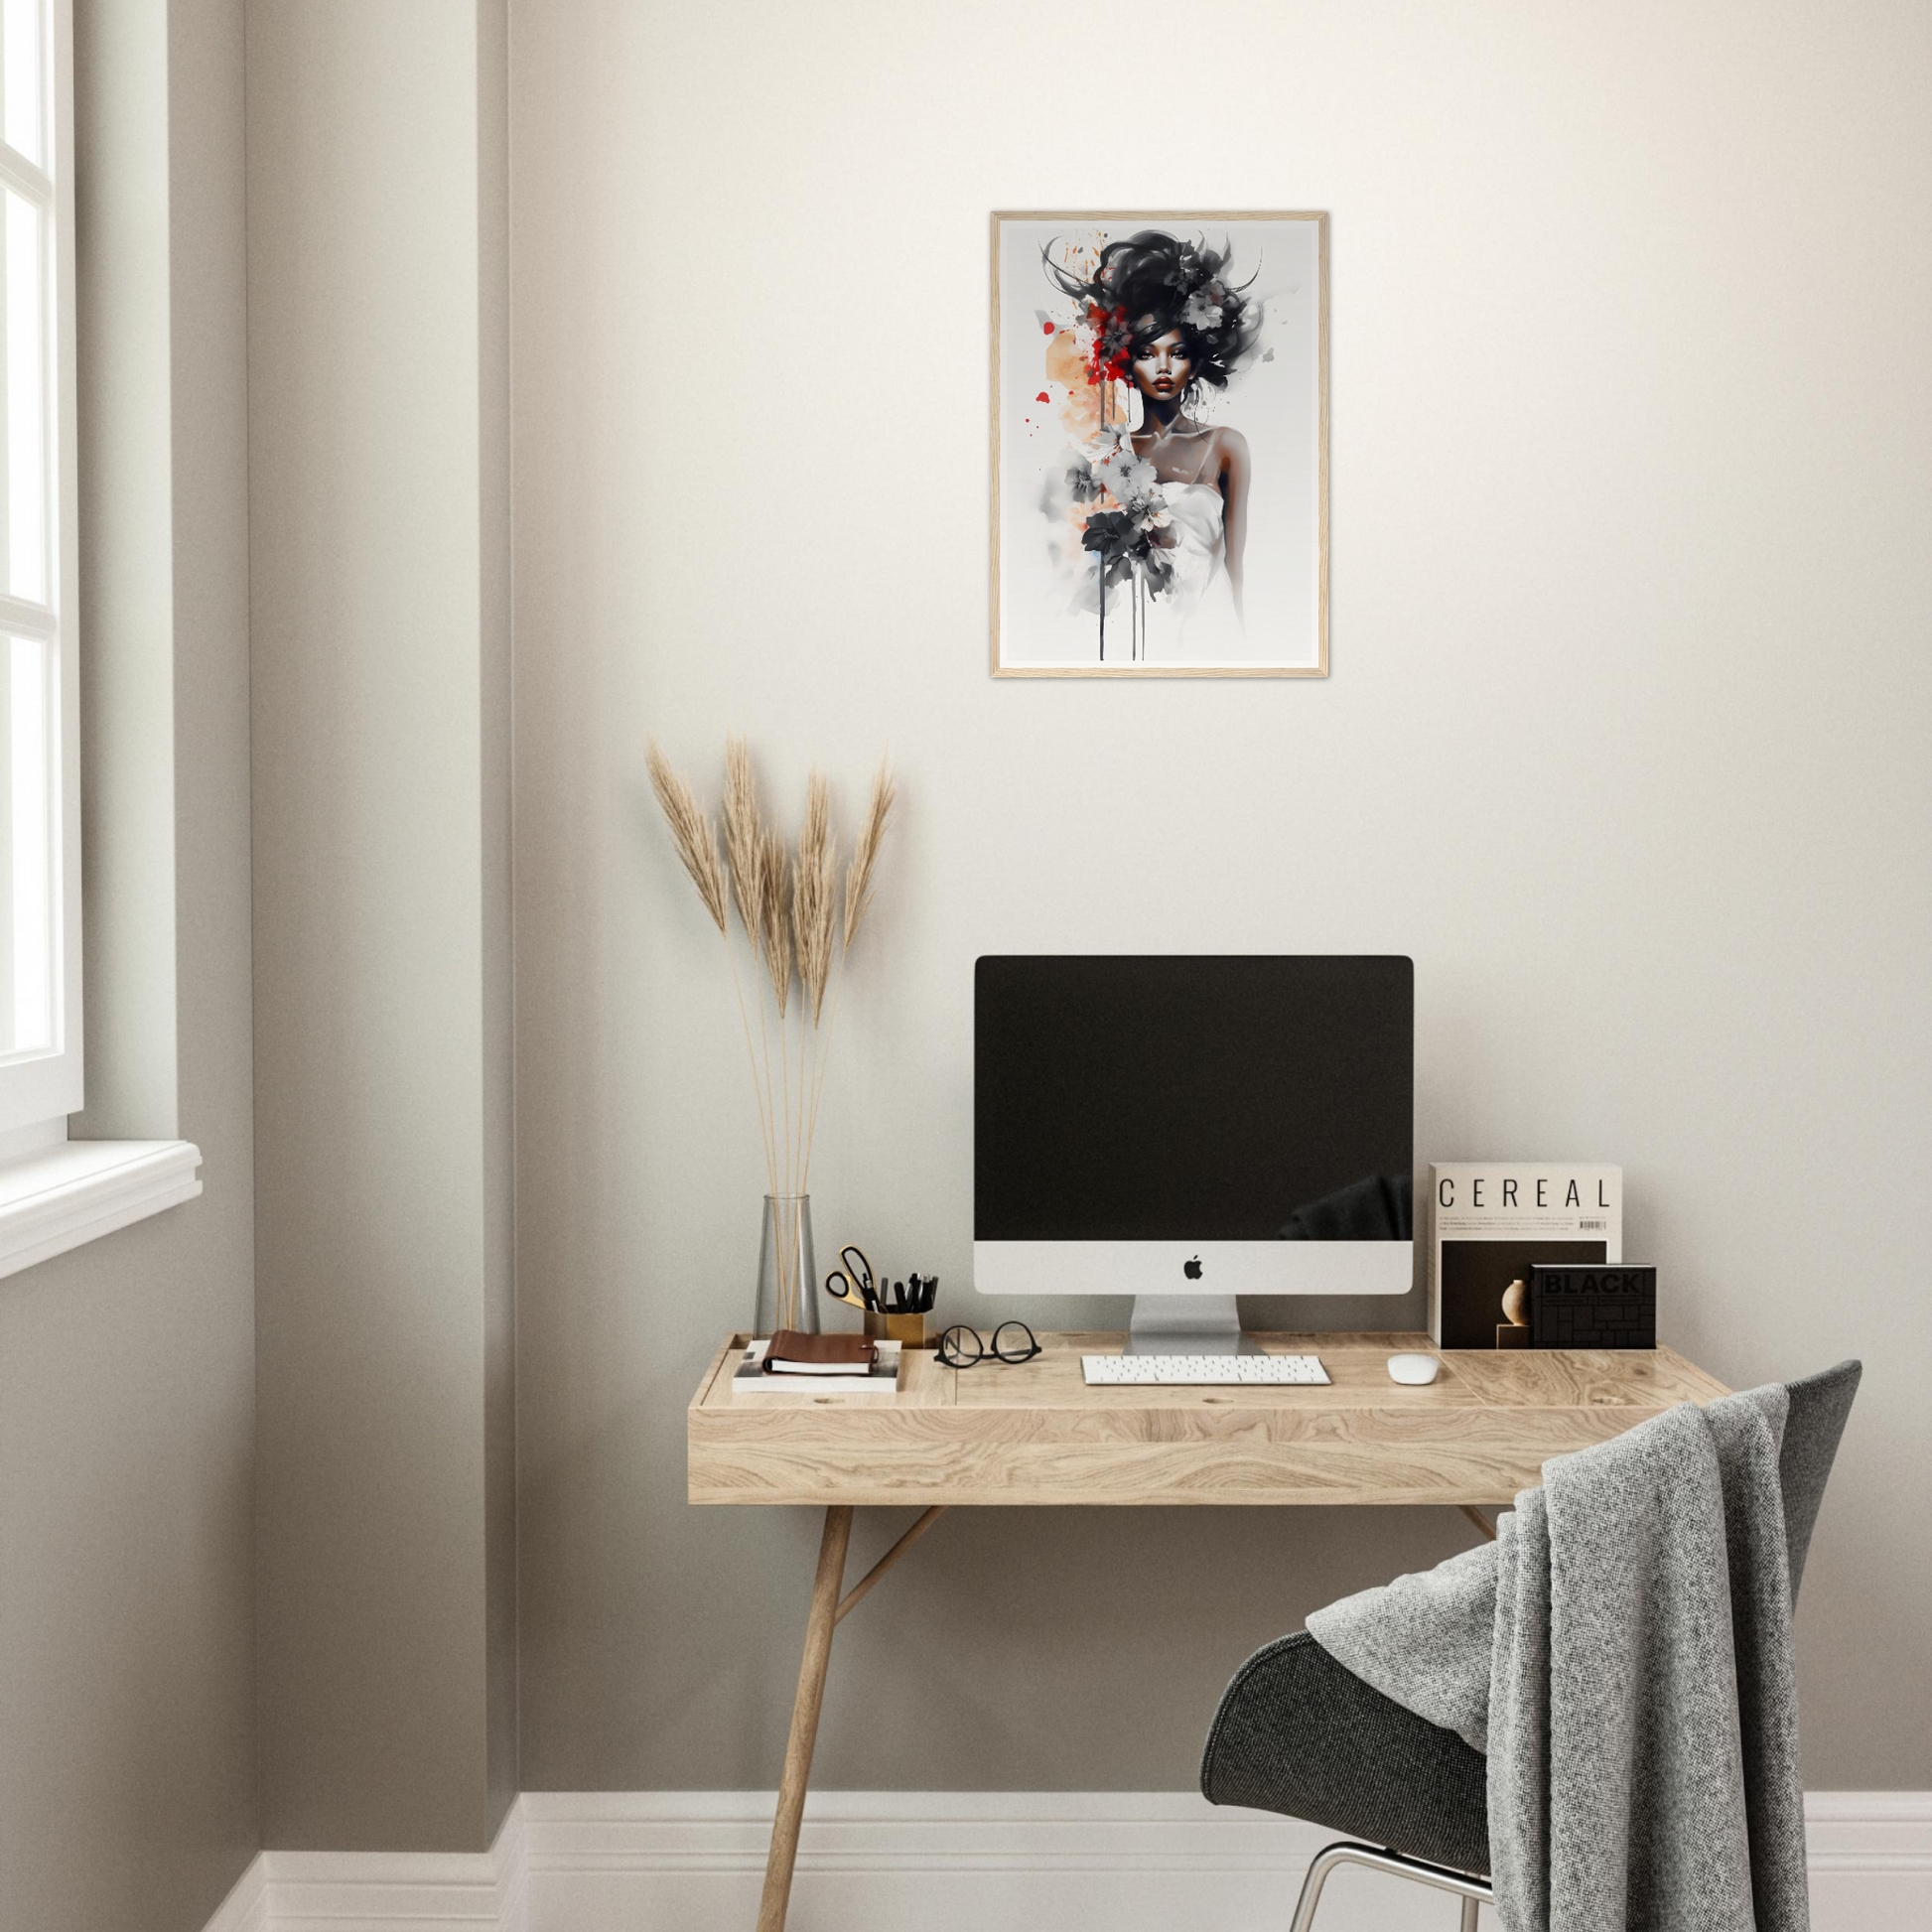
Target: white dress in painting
column 1193, row 616
column 1199, row 558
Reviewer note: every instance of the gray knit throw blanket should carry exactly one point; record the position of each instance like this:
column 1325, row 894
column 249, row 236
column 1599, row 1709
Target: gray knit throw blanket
column 1622, row 1652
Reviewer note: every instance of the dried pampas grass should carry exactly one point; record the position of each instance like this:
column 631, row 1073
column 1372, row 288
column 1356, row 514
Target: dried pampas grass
column 691, row 831
column 864, row 850
column 788, row 912
column 743, row 845
column 775, row 918
column 814, row 897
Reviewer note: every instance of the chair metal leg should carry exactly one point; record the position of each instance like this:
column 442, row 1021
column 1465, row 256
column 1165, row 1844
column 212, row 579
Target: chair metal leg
column 1473, row 1891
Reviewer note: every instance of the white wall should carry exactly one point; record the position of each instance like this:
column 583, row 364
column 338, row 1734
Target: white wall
column 1625, row 742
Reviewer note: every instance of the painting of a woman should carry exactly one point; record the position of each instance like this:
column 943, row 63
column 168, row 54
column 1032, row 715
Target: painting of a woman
column 1143, row 548
column 1165, row 314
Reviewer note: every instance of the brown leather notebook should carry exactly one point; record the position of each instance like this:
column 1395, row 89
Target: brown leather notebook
column 793, row 1353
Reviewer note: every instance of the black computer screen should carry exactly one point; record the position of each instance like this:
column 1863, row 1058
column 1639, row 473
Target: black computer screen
column 1221, row 1098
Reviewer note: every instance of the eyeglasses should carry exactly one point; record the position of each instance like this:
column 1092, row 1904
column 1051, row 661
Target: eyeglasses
column 1013, row 1341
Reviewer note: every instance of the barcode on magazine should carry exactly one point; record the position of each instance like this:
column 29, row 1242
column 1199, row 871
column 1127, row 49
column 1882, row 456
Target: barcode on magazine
column 1599, row 1226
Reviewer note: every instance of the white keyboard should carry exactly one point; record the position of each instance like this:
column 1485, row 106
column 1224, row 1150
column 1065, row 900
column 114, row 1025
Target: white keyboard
column 1201, row 1371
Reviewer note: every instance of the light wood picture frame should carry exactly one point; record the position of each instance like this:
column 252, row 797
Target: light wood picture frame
column 1160, row 444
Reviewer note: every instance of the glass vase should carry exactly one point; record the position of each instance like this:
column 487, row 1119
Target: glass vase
column 788, row 1272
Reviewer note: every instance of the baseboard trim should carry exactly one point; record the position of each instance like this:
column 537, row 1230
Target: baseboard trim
column 944, row 1861
column 726, row 1833
column 384, row 1891
column 245, row 1909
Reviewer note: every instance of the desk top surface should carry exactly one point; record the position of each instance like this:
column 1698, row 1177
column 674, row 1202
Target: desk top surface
column 1034, row 1434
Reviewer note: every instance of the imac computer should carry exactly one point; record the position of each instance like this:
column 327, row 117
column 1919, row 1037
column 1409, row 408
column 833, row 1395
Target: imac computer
column 1184, row 1130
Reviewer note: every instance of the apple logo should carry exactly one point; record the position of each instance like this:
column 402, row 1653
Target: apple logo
column 1191, row 1269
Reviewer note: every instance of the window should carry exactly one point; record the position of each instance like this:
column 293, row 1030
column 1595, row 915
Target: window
column 54, row 1193
column 40, row 846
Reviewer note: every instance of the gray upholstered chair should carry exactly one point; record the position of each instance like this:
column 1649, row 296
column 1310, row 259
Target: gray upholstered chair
column 1299, row 1733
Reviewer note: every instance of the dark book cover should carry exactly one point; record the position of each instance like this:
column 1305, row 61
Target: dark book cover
column 1476, row 1274
column 1613, row 1306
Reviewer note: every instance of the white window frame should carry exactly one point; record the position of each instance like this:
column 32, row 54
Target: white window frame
column 55, row 1193
column 39, row 1089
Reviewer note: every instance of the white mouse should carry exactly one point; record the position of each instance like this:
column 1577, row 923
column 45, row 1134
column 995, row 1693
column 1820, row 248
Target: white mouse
column 1415, row 1369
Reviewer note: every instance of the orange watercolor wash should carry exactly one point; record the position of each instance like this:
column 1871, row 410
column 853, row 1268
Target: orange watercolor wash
column 1080, row 413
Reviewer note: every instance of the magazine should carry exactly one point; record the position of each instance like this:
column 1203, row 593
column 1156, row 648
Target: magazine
column 1489, row 1221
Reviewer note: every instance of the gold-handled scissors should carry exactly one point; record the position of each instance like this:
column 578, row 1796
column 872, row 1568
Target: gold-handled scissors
column 852, row 1281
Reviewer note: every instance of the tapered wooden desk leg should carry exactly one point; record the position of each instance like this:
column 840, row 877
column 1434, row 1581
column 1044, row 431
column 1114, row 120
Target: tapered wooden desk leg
column 804, row 1719
column 1478, row 1519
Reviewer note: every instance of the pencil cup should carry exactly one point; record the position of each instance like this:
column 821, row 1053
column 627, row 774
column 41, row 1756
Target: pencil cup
column 906, row 1328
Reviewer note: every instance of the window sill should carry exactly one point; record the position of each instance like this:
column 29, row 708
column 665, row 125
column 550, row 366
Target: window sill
column 79, row 1191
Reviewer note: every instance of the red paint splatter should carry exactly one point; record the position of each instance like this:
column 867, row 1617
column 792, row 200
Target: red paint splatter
column 1043, row 397
column 1047, row 327
column 1112, row 350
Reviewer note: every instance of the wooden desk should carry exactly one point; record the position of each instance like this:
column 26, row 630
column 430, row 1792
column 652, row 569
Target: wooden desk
column 1031, row 1433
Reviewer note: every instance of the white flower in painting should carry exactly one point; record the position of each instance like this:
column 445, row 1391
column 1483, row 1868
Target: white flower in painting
column 1130, row 478
column 1201, row 312
column 1131, row 481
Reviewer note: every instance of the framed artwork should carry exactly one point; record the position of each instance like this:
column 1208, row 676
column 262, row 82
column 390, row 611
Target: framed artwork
column 1160, row 445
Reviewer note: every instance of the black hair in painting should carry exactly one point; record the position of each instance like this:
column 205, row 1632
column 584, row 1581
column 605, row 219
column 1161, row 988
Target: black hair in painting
column 1163, row 283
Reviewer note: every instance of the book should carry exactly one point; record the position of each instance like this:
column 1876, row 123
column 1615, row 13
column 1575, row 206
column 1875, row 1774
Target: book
column 750, row 1380
column 1492, row 1221
column 1575, row 1305
column 791, row 1352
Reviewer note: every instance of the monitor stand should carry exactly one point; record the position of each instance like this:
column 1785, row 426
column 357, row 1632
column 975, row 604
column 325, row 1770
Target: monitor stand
column 1186, row 1324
